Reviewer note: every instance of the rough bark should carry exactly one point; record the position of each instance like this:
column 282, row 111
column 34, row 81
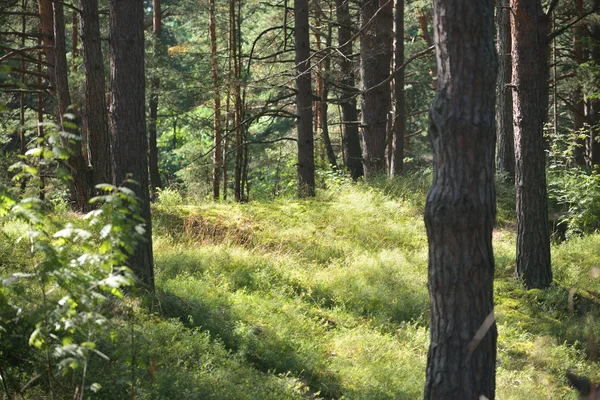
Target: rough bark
column 306, row 156
column 95, row 110
column 505, row 158
column 375, row 57
column 397, row 159
column 80, row 184
column 530, row 50
column 128, row 119
column 460, row 207
column 214, row 66
column 155, row 181
column 350, row 137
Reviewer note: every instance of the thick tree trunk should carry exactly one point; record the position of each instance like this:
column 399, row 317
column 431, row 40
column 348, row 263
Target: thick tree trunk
column 397, row 159
column 128, row 118
column 375, row 57
column 460, row 208
column 95, row 111
column 350, row 137
column 80, row 184
column 505, row 159
column 306, row 156
column 155, row 181
column 214, row 64
column 530, row 47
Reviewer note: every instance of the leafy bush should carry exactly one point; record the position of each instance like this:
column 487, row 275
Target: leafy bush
column 577, row 192
column 53, row 303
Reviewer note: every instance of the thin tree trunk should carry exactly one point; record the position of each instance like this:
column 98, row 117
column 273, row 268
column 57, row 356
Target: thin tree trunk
column 350, row 137
column 95, row 110
column 505, row 159
column 460, row 208
column 237, row 120
column 155, row 181
column 47, row 33
column 397, row 150
column 593, row 104
column 578, row 115
column 422, row 19
column 128, row 119
column 74, row 39
column 324, row 92
column 80, row 184
column 306, row 156
column 375, row 57
column 218, row 150
column 530, row 48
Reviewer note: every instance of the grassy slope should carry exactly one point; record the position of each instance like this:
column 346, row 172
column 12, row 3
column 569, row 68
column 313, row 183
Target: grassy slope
column 328, row 298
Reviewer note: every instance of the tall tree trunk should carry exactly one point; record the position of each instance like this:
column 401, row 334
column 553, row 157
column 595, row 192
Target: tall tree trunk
column 578, row 114
column 306, row 156
column 505, row 159
column 324, row 92
column 375, row 57
column 238, row 184
column 128, row 119
column 350, row 137
column 80, row 185
column 460, row 208
column 74, row 39
column 214, row 64
column 423, row 25
column 155, row 181
column 530, row 50
column 593, row 104
column 47, row 33
column 397, row 159
column 95, row 111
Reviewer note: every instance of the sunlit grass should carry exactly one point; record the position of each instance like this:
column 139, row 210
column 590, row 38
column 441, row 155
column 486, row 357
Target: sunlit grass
column 327, row 298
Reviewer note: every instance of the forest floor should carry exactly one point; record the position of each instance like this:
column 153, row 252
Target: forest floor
column 327, row 298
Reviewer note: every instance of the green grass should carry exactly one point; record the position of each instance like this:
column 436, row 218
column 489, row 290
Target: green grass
column 327, row 298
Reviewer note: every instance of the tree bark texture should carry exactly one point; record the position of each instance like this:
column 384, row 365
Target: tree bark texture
column 128, row 118
column 530, row 50
column 505, row 159
column 375, row 57
column 80, row 184
column 460, row 207
column 214, row 66
column 397, row 159
column 350, row 137
column 306, row 154
column 155, row 181
column 95, row 110
column 47, row 32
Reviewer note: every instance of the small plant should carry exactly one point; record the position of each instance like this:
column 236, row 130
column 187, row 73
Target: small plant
column 57, row 302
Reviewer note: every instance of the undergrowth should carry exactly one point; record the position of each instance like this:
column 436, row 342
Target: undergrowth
column 327, row 298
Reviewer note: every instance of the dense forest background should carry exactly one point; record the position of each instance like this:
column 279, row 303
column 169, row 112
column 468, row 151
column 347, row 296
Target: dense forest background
column 225, row 199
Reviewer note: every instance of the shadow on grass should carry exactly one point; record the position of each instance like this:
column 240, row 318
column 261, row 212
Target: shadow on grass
column 265, row 348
